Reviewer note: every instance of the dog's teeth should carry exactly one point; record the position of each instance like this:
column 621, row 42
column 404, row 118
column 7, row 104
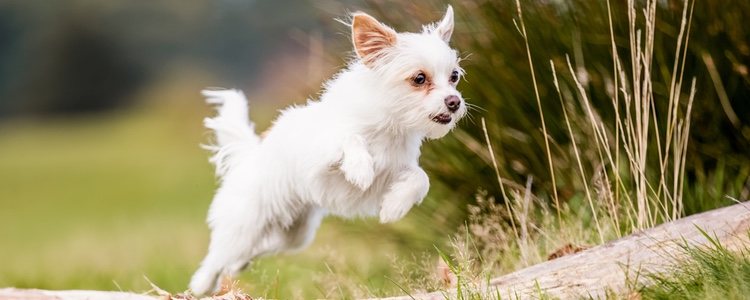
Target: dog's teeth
column 442, row 119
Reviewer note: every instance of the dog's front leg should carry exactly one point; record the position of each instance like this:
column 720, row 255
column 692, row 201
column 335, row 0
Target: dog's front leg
column 408, row 189
column 356, row 163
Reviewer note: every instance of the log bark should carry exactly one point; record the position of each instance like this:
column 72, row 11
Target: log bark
column 589, row 273
column 613, row 266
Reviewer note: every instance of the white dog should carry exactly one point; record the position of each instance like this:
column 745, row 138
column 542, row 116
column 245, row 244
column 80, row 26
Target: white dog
column 352, row 153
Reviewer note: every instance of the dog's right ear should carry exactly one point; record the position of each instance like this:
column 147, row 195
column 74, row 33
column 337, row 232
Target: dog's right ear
column 370, row 37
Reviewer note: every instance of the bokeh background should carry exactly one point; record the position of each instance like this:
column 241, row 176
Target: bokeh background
column 103, row 182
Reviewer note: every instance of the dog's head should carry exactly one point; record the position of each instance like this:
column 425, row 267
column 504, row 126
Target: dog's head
column 418, row 71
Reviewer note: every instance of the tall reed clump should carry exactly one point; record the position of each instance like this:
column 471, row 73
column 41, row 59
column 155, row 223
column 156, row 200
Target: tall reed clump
column 647, row 192
column 526, row 123
column 633, row 176
column 583, row 129
column 651, row 190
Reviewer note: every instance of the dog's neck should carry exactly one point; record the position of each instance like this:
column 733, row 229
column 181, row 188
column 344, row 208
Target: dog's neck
column 401, row 144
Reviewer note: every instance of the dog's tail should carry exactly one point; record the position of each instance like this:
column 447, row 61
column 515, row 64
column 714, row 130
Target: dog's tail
column 234, row 132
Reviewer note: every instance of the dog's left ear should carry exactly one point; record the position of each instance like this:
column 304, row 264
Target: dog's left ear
column 444, row 29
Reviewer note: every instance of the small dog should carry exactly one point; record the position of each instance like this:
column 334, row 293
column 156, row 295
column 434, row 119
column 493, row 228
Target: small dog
column 352, row 153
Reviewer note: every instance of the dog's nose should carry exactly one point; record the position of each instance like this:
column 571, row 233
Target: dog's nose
column 453, row 103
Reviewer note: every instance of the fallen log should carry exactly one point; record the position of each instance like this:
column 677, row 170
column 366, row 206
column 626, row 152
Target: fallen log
column 32, row 294
column 589, row 273
column 611, row 267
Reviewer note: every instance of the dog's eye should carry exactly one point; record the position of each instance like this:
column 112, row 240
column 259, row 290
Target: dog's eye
column 420, row 79
column 454, row 77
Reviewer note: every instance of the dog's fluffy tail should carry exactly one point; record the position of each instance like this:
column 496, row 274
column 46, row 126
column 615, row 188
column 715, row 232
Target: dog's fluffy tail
column 235, row 134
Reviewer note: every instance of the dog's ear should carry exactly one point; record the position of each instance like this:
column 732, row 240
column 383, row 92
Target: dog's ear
column 444, row 29
column 370, row 37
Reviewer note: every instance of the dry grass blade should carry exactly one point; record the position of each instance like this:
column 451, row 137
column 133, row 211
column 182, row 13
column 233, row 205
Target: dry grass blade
column 577, row 154
column 541, row 111
column 506, row 200
column 598, row 132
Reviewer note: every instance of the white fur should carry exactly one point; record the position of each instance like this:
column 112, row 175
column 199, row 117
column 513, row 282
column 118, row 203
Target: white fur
column 353, row 153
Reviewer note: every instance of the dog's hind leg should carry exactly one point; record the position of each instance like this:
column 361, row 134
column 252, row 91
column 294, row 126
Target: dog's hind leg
column 302, row 231
column 238, row 229
column 206, row 280
column 227, row 255
column 277, row 238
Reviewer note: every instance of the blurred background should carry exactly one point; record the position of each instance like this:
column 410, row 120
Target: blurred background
column 103, row 182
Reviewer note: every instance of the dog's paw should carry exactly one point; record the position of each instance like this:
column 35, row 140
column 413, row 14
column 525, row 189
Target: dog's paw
column 410, row 188
column 393, row 210
column 358, row 169
column 204, row 283
column 396, row 204
column 357, row 164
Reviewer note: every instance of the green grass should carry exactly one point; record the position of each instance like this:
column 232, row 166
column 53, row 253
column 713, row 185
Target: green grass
column 710, row 272
column 87, row 201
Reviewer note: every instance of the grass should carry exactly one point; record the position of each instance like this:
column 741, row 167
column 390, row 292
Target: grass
column 711, row 272
column 77, row 198
column 100, row 202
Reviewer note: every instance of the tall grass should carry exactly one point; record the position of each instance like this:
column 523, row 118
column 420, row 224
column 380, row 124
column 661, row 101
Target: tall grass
column 597, row 37
column 642, row 199
column 617, row 153
column 635, row 119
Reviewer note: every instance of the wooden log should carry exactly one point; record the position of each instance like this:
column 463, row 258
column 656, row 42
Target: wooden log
column 30, row 294
column 612, row 266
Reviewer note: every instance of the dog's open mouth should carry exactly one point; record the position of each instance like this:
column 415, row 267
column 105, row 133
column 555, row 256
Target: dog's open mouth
column 442, row 118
